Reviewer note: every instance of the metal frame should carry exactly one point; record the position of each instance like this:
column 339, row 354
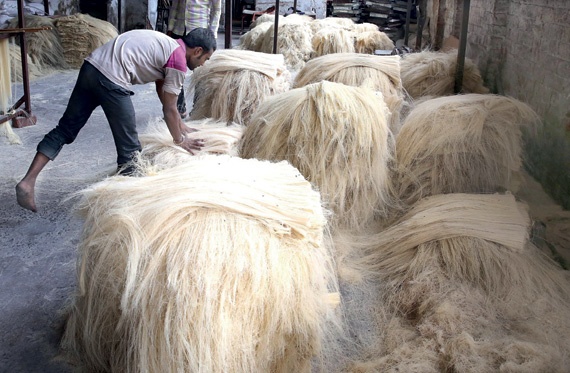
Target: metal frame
column 15, row 109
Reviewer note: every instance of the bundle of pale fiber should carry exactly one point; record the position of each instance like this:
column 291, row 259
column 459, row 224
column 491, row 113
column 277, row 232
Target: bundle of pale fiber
column 159, row 152
column 216, row 265
column 232, row 83
column 298, row 18
column 334, row 22
column 44, row 47
column 461, row 144
column 460, row 271
column 293, row 41
column 365, row 27
column 377, row 73
column 253, row 39
column 433, row 74
column 368, row 42
column 265, row 18
column 338, row 137
column 81, row 34
column 332, row 40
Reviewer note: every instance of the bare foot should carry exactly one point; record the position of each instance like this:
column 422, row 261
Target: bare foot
column 25, row 196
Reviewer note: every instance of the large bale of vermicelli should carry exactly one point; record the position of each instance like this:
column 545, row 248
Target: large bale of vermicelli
column 375, row 72
column 461, row 144
column 368, row 42
column 294, row 41
column 467, row 290
column 215, row 265
column 338, row 137
column 332, row 40
column 81, row 34
column 433, row 74
column 230, row 86
column 253, row 39
column 335, row 22
column 365, row 27
column 265, row 18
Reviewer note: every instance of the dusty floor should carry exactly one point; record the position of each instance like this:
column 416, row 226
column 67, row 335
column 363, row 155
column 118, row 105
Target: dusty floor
column 38, row 250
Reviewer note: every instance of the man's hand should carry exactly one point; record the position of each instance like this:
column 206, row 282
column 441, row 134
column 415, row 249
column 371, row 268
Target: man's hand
column 176, row 127
column 192, row 146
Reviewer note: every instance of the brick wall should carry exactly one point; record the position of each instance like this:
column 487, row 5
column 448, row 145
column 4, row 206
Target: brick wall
column 522, row 48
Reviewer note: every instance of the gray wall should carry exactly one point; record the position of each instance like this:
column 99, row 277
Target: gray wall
column 522, row 48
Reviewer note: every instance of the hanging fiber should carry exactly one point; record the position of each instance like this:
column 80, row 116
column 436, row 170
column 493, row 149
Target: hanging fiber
column 81, row 34
column 461, row 144
column 216, row 265
column 44, row 48
column 6, row 79
column 338, row 138
column 459, row 270
column 6, row 92
column 246, row 78
column 5, row 76
column 159, row 151
column 433, row 74
column 377, row 73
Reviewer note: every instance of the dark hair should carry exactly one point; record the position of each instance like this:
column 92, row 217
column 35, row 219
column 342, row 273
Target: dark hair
column 200, row 37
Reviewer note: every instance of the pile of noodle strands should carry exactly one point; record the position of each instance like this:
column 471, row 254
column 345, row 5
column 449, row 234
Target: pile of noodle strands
column 338, row 137
column 466, row 291
column 461, row 144
column 215, row 265
column 230, row 86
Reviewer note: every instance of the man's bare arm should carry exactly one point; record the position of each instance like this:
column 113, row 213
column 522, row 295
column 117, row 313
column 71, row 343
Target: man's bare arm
column 173, row 121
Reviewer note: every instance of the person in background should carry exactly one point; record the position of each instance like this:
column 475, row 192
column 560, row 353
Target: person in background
column 186, row 15
column 105, row 78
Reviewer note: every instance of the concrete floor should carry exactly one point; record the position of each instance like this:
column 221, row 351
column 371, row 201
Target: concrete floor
column 38, row 250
